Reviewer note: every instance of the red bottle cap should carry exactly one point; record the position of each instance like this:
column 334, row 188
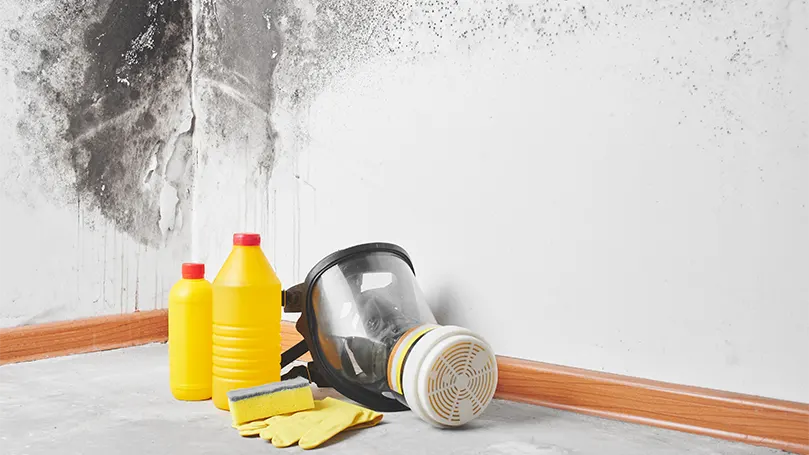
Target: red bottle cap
column 193, row 271
column 243, row 239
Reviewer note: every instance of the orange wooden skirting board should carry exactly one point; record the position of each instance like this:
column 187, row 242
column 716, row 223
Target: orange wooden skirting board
column 754, row 420
column 290, row 336
column 32, row 342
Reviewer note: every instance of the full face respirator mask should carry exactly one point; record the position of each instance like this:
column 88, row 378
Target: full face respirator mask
column 373, row 338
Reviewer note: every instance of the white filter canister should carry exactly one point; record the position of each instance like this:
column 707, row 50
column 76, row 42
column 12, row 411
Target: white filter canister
column 449, row 376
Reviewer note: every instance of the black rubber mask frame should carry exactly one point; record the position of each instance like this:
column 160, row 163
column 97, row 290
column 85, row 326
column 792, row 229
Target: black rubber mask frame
column 298, row 299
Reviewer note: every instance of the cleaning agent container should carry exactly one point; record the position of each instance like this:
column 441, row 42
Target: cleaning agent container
column 246, row 320
column 190, row 335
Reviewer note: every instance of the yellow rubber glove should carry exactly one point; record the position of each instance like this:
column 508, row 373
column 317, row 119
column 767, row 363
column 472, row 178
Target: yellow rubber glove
column 251, row 428
column 316, row 426
column 254, row 428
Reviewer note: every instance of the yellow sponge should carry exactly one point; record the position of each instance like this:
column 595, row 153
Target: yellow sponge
column 254, row 403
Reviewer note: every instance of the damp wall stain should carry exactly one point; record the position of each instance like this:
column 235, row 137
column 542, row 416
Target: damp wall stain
column 104, row 105
column 325, row 38
column 707, row 44
column 236, row 52
column 237, row 45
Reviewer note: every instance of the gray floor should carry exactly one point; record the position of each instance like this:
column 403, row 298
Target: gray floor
column 118, row 402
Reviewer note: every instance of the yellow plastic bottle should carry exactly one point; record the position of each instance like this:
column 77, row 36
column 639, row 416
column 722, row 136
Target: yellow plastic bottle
column 190, row 335
column 246, row 320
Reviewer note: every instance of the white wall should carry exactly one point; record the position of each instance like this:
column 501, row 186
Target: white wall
column 622, row 188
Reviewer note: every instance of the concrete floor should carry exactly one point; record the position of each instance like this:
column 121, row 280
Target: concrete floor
column 119, row 402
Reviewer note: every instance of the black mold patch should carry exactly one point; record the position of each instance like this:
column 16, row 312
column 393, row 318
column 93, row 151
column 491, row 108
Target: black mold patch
column 131, row 45
column 137, row 52
column 237, row 49
column 104, row 90
column 239, row 43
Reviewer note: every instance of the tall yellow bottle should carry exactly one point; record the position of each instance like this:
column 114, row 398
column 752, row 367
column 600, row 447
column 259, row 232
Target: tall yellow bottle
column 246, row 320
column 190, row 335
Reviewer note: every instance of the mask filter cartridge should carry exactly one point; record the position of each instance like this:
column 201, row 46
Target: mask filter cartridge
column 448, row 374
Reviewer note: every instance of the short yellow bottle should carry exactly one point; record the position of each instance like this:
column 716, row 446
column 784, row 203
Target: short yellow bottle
column 246, row 320
column 190, row 335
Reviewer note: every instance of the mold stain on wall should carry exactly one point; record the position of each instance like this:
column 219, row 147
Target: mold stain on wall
column 237, row 46
column 330, row 36
column 106, row 109
column 709, row 43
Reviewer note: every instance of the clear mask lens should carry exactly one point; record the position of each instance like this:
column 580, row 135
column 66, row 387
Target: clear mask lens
column 363, row 305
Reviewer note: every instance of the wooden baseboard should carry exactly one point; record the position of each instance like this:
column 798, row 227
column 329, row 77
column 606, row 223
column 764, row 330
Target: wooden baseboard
column 754, row 420
column 750, row 419
column 33, row 342
column 290, row 337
